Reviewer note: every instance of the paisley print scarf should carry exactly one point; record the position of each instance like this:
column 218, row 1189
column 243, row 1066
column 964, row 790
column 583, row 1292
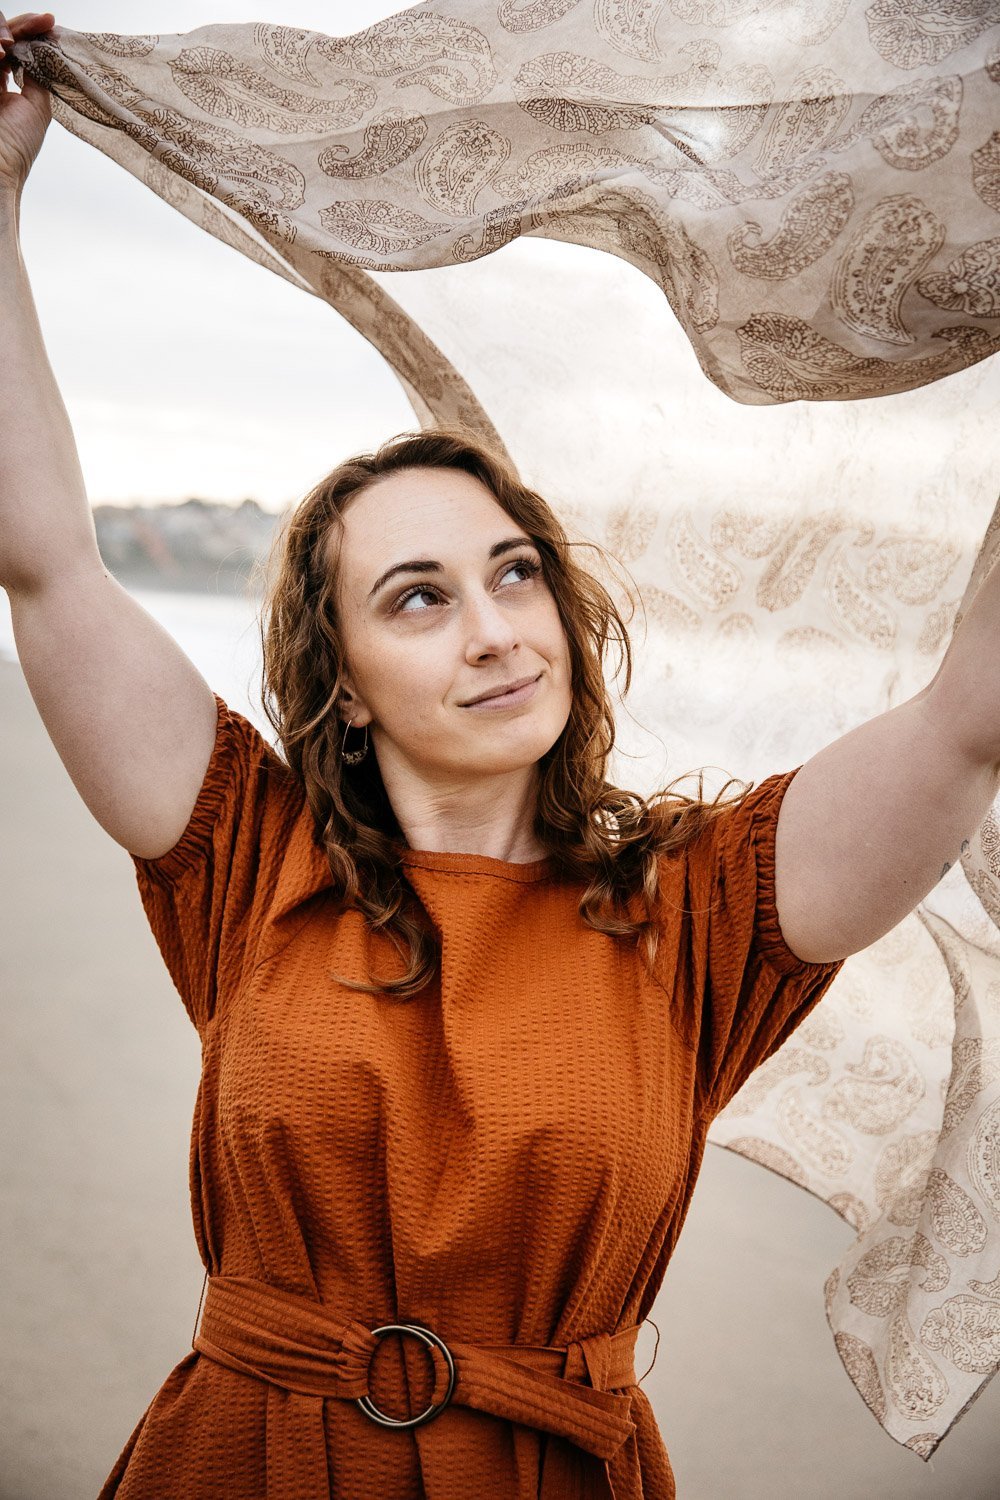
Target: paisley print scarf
column 808, row 198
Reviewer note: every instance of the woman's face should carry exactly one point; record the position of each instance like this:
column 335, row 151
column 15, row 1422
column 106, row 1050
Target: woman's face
column 465, row 610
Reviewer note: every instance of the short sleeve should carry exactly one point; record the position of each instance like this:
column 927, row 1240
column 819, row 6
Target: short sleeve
column 746, row 991
column 202, row 896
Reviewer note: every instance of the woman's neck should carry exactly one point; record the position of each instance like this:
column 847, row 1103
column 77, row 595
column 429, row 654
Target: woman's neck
column 488, row 815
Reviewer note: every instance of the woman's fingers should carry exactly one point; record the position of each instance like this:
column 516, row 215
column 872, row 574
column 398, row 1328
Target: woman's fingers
column 20, row 28
column 27, row 18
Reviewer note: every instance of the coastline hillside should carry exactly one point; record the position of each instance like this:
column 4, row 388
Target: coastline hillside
column 197, row 546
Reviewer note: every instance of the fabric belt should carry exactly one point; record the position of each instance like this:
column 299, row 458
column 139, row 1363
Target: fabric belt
column 307, row 1354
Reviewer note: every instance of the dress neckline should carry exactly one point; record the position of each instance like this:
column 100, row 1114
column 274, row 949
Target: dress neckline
column 453, row 863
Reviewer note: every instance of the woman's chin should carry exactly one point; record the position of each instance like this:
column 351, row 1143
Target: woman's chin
column 510, row 746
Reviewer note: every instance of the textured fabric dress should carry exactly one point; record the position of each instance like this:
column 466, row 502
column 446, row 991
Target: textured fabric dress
column 505, row 1160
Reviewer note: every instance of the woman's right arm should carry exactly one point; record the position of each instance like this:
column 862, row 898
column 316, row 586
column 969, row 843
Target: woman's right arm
column 131, row 718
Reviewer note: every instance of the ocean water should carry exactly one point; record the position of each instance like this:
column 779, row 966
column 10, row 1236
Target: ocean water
column 217, row 631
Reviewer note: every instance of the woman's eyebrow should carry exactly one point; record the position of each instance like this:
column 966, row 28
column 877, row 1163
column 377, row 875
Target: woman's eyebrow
column 427, row 565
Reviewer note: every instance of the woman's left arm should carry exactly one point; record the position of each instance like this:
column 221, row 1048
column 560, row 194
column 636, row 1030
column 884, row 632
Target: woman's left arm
column 871, row 823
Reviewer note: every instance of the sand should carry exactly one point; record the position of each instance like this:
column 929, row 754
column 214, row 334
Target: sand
column 101, row 1277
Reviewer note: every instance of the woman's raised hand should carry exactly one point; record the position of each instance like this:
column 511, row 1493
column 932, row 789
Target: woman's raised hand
column 24, row 116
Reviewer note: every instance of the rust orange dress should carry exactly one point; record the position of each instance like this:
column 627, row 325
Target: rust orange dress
column 503, row 1163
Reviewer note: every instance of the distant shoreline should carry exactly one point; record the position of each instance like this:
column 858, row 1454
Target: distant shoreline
column 195, row 546
column 225, row 586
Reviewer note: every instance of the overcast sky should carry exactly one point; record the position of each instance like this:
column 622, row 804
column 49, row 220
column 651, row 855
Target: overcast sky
column 181, row 361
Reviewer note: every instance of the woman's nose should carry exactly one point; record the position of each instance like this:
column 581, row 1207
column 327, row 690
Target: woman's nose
column 489, row 628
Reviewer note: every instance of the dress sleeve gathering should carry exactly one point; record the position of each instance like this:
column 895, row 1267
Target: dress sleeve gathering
column 202, row 897
column 746, row 991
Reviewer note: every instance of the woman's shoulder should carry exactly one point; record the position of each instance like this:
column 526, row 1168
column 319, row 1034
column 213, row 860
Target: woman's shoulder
column 706, row 843
column 248, row 793
column 695, row 824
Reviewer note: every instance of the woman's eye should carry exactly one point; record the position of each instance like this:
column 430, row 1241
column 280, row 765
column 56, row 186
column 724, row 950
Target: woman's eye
column 422, row 590
column 414, row 594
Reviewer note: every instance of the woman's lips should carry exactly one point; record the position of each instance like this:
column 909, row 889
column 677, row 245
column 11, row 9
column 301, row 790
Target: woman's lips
column 505, row 700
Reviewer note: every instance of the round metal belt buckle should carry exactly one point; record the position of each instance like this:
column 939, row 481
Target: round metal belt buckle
column 430, row 1341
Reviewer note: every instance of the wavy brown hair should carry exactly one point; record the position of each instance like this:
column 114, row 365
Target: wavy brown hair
column 602, row 836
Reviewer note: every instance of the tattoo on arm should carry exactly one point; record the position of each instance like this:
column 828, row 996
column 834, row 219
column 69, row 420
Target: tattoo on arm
column 946, row 867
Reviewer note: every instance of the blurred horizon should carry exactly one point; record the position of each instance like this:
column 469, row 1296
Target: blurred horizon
column 166, row 503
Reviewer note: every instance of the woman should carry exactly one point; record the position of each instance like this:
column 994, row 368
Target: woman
column 466, row 1010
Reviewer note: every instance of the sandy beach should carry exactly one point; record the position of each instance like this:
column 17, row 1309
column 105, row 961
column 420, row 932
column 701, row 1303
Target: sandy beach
column 102, row 1279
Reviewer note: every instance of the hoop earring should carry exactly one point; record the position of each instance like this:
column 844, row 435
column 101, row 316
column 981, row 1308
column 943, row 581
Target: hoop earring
column 353, row 757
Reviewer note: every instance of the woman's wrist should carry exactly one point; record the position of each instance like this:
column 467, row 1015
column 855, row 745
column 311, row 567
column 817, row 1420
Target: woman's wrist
column 10, row 206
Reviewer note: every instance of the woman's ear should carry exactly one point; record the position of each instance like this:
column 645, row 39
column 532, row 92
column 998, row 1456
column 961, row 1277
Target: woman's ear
column 351, row 707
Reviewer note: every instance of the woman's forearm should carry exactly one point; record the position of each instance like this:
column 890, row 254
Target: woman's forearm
column 967, row 683
column 46, row 525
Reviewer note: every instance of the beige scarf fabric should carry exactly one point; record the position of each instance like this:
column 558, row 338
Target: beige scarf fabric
column 814, row 189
